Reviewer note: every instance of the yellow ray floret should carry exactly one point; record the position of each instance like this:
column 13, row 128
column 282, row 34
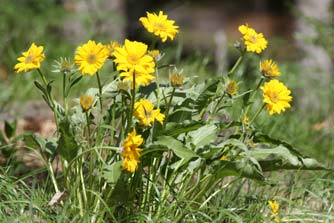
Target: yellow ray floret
column 131, row 152
column 132, row 60
column 90, row 57
column 276, row 96
column 30, row 59
column 232, row 88
column 159, row 25
column 146, row 114
column 270, row 69
column 86, row 102
column 255, row 42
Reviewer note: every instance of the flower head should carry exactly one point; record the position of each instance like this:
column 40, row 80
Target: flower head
column 277, row 96
column 86, row 102
column 232, row 88
column 131, row 152
column 153, row 53
column 224, row 158
column 140, row 78
column 64, row 65
column 90, row 57
column 30, row 59
column 255, row 42
column 246, row 119
column 176, row 80
column 270, row 69
column 145, row 113
column 159, row 25
column 111, row 47
column 132, row 59
column 274, row 206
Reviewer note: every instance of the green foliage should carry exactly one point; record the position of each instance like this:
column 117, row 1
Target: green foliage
column 193, row 167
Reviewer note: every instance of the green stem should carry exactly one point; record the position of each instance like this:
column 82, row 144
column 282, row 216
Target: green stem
column 158, row 87
column 253, row 95
column 43, row 77
column 133, row 98
column 216, row 107
column 64, row 93
column 257, row 114
column 88, row 129
column 100, row 90
column 53, row 179
column 168, row 106
column 236, row 65
column 53, row 106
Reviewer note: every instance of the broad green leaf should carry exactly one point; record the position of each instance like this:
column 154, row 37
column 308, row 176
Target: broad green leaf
column 175, row 129
column 203, row 136
column 67, row 146
column 262, row 138
column 10, row 129
column 34, row 141
column 2, row 139
column 176, row 146
column 111, row 173
column 239, row 168
column 207, row 92
column 233, row 142
column 281, row 157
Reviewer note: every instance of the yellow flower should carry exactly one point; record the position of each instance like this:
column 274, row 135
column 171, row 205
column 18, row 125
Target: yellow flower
column 30, row 59
column 246, row 119
column 176, row 80
column 255, row 42
column 153, row 53
column 86, row 102
column 224, row 158
column 276, row 95
column 145, row 113
column 90, row 57
column 132, row 59
column 131, row 152
column 270, row 69
column 111, row 47
column 232, row 88
column 159, row 25
column 274, row 209
column 141, row 78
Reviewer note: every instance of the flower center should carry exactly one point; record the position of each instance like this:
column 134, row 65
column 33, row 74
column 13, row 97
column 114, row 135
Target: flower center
column 29, row 58
column 133, row 59
column 253, row 39
column 91, row 59
column 159, row 25
column 268, row 69
column 148, row 114
column 274, row 97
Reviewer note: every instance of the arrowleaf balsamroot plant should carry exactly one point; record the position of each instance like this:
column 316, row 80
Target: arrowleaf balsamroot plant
column 139, row 143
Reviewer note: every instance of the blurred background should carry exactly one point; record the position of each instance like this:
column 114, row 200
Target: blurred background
column 300, row 34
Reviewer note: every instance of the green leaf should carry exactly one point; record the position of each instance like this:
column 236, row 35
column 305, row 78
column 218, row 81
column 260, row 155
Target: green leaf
column 239, row 168
column 281, row 157
column 175, row 128
column 207, row 92
column 111, row 173
column 2, row 139
column 34, row 141
column 203, row 136
column 176, row 146
column 40, row 87
column 51, row 147
column 67, row 146
column 10, row 129
column 233, row 142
